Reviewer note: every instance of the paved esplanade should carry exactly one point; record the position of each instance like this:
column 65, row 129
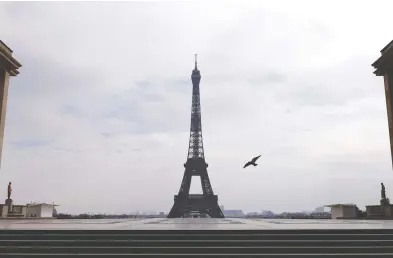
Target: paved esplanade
column 162, row 237
column 192, row 224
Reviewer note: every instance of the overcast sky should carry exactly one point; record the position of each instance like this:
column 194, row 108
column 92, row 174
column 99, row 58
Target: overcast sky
column 98, row 119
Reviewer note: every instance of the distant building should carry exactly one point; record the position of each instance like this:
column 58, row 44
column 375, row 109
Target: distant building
column 343, row 211
column 233, row 213
column 267, row 214
column 293, row 215
column 40, row 210
column 320, row 210
column 31, row 210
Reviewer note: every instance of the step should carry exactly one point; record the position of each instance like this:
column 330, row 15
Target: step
column 197, row 250
column 201, row 256
column 197, row 243
column 207, row 232
column 88, row 235
column 194, row 243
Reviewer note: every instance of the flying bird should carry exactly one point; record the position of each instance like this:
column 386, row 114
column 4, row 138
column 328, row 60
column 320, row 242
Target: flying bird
column 252, row 162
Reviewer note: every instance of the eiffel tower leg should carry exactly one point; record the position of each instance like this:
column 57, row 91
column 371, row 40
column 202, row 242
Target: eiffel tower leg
column 206, row 186
column 180, row 207
column 216, row 212
column 175, row 212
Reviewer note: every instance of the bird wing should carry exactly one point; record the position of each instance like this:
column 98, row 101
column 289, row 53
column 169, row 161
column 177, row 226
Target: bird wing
column 247, row 164
column 255, row 159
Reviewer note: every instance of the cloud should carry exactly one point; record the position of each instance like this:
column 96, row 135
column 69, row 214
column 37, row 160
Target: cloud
column 100, row 113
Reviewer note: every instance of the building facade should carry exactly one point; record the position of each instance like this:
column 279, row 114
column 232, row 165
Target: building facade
column 343, row 211
column 32, row 210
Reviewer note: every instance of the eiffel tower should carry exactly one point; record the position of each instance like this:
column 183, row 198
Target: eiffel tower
column 207, row 202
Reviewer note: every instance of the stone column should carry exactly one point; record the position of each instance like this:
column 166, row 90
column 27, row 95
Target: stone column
column 384, row 67
column 8, row 67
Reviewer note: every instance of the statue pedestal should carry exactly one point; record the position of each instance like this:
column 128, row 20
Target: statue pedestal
column 8, row 202
column 386, row 208
column 380, row 211
column 387, row 211
column 385, row 202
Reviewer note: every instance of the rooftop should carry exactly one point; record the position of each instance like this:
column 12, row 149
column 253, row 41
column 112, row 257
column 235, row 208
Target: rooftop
column 7, row 60
column 384, row 62
column 341, row 204
column 47, row 204
column 4, row 47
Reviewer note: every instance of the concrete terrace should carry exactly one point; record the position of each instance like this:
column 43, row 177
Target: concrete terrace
column 190, row 224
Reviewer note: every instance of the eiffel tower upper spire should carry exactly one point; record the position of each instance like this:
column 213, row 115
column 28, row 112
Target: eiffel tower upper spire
column 196, row 73
column 196, row 62
column 195, row 148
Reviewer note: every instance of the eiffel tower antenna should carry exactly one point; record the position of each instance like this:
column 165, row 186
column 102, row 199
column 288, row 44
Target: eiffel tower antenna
column 196, row 62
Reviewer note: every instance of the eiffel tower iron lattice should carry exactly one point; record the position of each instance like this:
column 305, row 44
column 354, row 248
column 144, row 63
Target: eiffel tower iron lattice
column 207, row 202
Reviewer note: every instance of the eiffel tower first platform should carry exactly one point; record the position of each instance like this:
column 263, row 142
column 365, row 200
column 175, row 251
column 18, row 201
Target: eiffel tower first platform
column 207, row 202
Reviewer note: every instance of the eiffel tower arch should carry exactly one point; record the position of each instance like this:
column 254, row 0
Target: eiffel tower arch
column 196, row 166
